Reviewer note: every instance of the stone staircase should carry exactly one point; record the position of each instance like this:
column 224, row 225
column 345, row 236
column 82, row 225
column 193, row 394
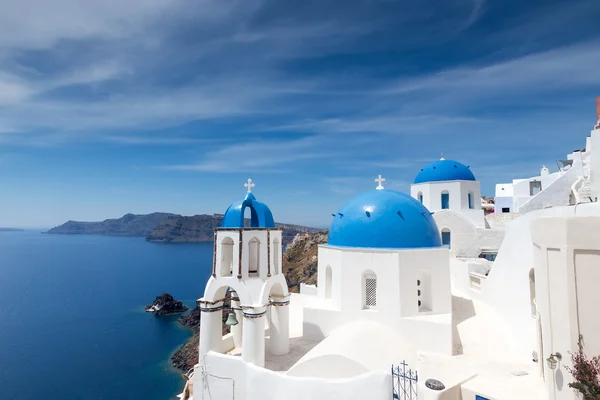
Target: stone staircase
column 585, row 190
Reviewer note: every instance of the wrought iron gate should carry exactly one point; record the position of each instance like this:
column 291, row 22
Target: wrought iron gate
column 404, row 382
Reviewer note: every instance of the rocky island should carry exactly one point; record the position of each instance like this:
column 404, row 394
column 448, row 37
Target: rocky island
column 11, row 230
column 164, row 227
column 299, row 266
column 165, row 304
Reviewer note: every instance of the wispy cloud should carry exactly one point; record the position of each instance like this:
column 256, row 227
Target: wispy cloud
column 265, row 156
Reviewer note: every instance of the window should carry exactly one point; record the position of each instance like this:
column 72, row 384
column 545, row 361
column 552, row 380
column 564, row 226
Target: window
column 505, row 209
column 445, row 200
column 489, row 255
column 227, row 257
column 276, row 256
column 470, row 199
column 253, row 255
column 535, row 187
column 328, row 282
column 370, row 290
column 446, row 239
column 420, row 197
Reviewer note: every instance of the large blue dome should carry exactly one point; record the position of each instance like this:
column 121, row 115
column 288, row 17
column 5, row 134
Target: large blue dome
column 445, row 170
column 384, row 219
column 260, row 215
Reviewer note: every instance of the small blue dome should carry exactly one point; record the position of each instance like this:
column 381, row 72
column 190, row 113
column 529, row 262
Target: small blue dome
column 445, row 170
column 384, row 219
column 260, row 215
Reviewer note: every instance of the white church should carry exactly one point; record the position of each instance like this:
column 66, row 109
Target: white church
column 418, row 296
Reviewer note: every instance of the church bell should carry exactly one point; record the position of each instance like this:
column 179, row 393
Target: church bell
column 231, row 319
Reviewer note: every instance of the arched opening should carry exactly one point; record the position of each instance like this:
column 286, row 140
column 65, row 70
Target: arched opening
column 328, row 282
column 253, row 255
column 369, row 290
column 532, row 292
column 247, row 217
column 445, row 200
column 227, row 257
column 470, row 200
column 446, row 237
column 217, row 322
column 420, row 197
column 276, row 256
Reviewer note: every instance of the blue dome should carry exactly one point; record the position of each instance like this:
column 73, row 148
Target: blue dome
column 384, row 219
column 260, row 215
column 445, row 170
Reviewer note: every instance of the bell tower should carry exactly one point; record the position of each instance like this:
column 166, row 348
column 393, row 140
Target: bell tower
column 247, row 260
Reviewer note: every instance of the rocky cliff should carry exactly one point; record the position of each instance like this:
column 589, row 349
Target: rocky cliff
column 127, row 225
column 300, row 259
column 299, row 266
column 164, row 227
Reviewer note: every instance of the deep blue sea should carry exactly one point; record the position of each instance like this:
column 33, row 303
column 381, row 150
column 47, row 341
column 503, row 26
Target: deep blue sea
column 72, row 320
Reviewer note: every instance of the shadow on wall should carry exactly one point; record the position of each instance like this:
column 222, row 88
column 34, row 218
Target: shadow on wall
column 298, row 348
column 462, row 310
column 313, row 331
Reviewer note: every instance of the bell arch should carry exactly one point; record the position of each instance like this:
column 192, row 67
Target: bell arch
column 276, row 256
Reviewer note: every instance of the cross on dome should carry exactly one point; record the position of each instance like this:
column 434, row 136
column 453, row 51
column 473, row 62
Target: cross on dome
column 442, row 157
column 379, row 181
column 249, row 185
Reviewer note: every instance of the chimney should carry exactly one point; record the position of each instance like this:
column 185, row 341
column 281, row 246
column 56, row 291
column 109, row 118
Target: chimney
column 597, row 113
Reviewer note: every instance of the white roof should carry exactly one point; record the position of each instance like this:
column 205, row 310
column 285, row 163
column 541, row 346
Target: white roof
column 353, row 349
column 504, row 190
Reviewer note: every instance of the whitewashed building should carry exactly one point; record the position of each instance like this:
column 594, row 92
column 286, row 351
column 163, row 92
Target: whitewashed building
column 389, row 291
column 451, row 192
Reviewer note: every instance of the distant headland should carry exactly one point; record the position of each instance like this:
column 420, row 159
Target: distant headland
column 163, row 227
column 11, row 230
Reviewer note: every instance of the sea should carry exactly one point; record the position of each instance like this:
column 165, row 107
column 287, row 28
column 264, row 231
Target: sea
column 72, row 320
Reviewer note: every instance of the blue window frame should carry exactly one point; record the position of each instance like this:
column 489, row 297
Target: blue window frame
column 421, row 197
column 446, row 238
column 470, row 197
column 445, row 201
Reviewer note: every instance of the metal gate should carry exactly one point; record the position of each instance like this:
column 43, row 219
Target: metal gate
column 404, row 382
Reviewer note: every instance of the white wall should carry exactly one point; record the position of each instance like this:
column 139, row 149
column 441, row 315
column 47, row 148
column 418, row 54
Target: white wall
column 228, row 377
column 503, row 202
column 459, row 202
column 567, row 256
column 397, row 272
column 466, row 240
column 506, row 288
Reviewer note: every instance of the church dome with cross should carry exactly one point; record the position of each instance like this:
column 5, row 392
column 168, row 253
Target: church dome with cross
column 444, row 170
column 260, row 214
column 384, row 219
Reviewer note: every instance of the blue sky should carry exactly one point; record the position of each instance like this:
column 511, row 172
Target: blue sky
column 111, row 106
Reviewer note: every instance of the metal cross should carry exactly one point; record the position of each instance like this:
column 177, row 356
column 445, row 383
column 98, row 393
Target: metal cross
column 379, row 181
column 249, row 185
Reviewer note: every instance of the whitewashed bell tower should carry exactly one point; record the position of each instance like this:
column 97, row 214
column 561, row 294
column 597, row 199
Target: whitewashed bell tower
column 247, row 262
